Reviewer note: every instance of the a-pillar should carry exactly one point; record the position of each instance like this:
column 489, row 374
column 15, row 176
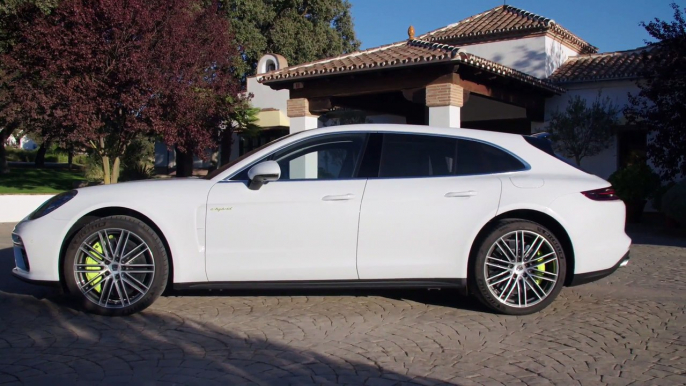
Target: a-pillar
column 444, row 101
column 300, row 120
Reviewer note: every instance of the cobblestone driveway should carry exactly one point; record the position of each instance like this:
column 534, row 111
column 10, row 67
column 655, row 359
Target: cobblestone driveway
column 627, row 329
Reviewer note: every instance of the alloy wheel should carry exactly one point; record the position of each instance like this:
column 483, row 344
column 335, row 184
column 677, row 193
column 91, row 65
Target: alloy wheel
column 521, row 269
column 114, row 268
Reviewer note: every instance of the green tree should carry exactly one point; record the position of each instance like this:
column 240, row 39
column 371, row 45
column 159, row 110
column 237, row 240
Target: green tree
column 659, row 105
column 300, row 30
column 581, row 130
column 241, row 117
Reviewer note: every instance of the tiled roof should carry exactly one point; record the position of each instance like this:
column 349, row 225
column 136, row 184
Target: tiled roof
column 501, row 23
column 402, row 54
column 606, row 66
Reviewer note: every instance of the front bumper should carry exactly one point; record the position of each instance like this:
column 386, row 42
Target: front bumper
column 37, row 245
column 587, row 277
column 21, row 276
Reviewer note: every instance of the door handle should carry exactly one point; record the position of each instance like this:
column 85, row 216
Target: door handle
column 339, row 197
column 466, row 193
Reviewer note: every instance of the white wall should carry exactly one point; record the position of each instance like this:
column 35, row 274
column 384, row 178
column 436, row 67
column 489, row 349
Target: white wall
column 527, row 55
column 617, row 91
column 266, row 98
column 604, row 163
column 17, row 206
column 556, row 54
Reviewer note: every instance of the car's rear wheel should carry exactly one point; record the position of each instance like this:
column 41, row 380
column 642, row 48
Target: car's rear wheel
column 519, row 267
column 116, row 265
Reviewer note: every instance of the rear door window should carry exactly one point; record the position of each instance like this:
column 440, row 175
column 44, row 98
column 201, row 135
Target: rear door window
column 413, row 155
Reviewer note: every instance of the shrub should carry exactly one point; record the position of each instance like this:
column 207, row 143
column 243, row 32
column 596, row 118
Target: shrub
column 140, row 171
column 20, row 155
column 93, row 170
column 674, row 202
column 635, row 183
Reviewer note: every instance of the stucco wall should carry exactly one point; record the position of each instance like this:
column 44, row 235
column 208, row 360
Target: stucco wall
column 266, row 98
column 527, row 55
column 556, row 54
column 604, row 163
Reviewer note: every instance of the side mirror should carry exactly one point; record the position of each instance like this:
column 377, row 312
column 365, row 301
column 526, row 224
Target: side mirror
column 263, row 173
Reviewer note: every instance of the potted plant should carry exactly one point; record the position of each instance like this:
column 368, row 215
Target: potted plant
column 635, row 184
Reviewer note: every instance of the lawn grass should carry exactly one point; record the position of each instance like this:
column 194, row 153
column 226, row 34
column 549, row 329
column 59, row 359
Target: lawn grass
column 36, row 181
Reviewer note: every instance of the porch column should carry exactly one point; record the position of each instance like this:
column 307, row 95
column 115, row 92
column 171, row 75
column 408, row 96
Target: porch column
column 301, row 119
column 299, row 115
column 444, row 101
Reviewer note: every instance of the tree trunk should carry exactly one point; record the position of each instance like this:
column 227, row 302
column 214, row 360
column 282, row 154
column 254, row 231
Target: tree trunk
column 225, row 148
column 578, row 160
column 4, row 168
column 114, row 176
column 70, row 158
column 184, row 163
column 106, row 170
column 40, row 155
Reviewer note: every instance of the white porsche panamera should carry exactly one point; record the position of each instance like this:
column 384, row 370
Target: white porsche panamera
column 364, row 206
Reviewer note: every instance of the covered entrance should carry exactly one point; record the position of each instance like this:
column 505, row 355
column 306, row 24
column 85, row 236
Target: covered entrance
column 415, row 82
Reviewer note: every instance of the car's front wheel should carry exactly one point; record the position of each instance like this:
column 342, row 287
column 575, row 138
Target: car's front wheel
column 519, row 267
column 116, row 265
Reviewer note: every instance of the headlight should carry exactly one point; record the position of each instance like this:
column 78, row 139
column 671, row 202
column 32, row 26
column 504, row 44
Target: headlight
column 52, row 204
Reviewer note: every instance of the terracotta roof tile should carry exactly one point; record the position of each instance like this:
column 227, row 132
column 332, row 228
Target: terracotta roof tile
column 605, row 66
column 405, row 53
column 500, row 23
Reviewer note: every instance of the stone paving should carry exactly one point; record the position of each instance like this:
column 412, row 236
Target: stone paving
column 629, row 328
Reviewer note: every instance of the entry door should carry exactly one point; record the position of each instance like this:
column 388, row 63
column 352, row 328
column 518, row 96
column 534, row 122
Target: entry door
column 301, row 227
column 420, row 214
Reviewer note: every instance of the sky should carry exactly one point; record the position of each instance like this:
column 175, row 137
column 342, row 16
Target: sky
column 610, row 25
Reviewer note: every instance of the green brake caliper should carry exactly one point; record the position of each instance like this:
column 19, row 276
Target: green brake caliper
column 89, row 260
column 540, row 267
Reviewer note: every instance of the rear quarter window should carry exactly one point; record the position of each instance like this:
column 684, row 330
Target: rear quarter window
column 475, row 157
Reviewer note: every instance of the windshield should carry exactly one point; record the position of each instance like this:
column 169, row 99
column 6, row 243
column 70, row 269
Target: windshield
column 221, row 169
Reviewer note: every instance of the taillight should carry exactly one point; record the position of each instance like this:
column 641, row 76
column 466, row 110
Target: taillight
column 604, row 194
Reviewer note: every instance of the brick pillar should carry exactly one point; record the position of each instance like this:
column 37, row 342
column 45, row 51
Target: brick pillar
column 299, row 114
column 444, row 101
column 298, row 110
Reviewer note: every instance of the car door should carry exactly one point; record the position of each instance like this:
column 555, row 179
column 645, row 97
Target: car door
column 300, row 227
column 428, row 202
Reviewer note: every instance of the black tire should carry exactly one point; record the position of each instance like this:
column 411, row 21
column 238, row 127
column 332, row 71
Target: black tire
column 154, row 258
column 478, row 270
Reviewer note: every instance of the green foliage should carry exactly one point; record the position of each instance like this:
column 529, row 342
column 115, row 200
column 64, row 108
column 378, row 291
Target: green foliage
column 580, row 130
column 93, row 168
column 659, row 106
column 635, row 183
column 140, row 150
column 300, row 30
column 137, row 172
column 54, row 155
column 344, row 117
column 138, row 161
column 674, row 202
column 242, row 116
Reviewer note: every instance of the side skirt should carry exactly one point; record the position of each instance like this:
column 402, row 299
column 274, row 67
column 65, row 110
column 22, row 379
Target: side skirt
column 326, row 284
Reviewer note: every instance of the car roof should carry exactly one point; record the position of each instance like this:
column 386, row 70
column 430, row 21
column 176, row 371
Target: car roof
column 416, row 129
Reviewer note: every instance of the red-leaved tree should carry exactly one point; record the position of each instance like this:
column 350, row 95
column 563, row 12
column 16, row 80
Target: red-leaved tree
column 101, row 72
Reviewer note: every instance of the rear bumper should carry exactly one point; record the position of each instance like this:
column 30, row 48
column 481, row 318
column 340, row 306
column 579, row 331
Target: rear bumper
column 587, row 277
